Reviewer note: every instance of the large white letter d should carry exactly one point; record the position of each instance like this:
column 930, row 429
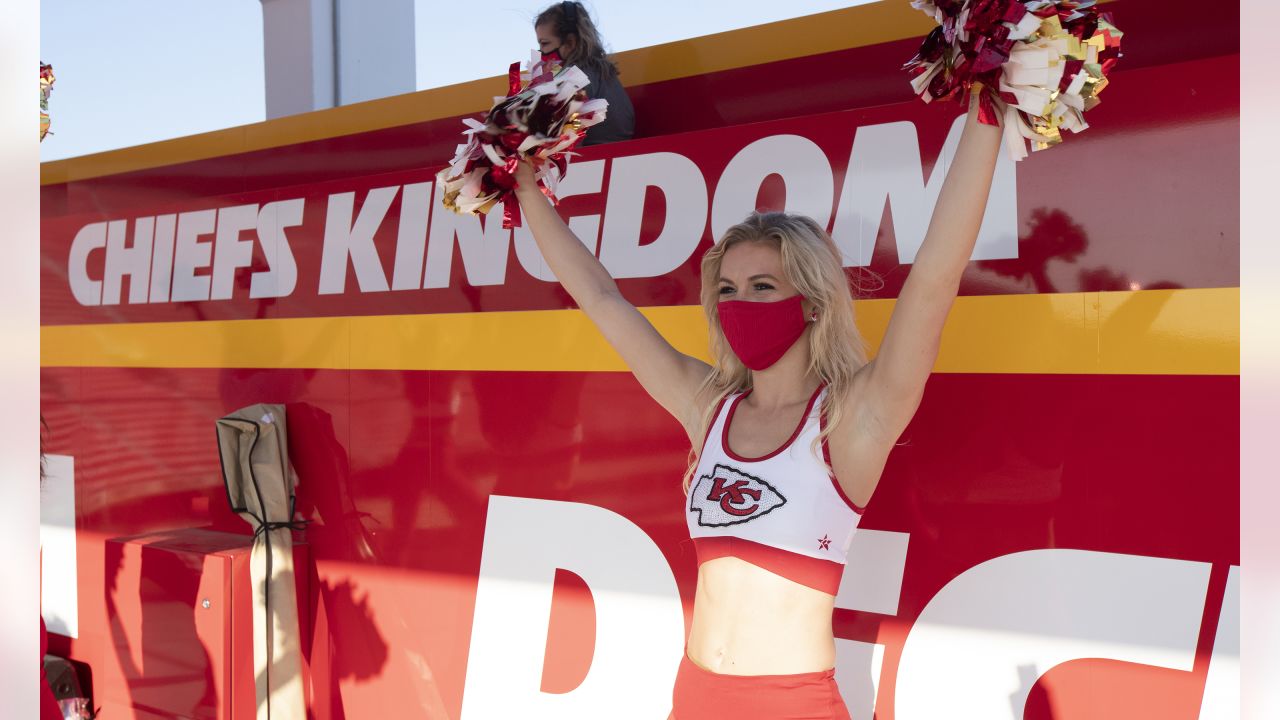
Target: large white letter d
column 639, row 617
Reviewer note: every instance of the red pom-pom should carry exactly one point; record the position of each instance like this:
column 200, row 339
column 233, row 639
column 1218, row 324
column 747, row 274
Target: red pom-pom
column 542, row 118
column 1040, row 63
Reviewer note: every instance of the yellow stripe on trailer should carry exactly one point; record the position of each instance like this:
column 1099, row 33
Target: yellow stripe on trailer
column 1146, row 332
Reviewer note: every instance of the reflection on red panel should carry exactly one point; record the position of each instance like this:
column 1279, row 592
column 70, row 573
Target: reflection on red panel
column 178, row 606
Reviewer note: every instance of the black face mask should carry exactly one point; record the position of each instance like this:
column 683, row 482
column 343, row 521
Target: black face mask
column 553, row 56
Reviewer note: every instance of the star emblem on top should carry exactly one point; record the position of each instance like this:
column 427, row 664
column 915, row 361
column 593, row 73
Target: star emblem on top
column 824, row 543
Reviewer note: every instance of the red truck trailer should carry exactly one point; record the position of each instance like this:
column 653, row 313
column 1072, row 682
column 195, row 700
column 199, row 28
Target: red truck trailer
column 494, row 503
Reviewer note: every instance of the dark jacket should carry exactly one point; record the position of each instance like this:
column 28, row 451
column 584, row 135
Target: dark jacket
column 620, row 119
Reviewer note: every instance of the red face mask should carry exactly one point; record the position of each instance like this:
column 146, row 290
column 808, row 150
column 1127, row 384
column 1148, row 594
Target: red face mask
column 761, row 332
column 552, row 57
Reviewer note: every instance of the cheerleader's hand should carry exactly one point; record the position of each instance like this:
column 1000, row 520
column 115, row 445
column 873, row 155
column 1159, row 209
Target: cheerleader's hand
column 524, row 173
column 526, row 181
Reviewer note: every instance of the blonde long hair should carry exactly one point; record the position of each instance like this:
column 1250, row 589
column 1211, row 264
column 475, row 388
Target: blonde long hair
column 811, row 262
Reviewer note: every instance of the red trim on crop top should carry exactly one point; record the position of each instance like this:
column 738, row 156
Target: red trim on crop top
column 711, row 425
column 821, row 575
column 826, row 457
column 724, row 431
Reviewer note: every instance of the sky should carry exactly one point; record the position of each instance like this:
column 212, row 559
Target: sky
column 130, row 72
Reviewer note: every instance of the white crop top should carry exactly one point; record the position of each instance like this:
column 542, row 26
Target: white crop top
column 783, row 512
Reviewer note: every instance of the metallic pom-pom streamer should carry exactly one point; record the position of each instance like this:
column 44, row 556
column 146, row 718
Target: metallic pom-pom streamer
column 544, row 115
column 1039, row 64
column 46, row 88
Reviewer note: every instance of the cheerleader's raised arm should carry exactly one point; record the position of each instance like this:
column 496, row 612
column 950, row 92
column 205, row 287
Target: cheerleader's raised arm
column 889, row 388
column 668, row 375
column 1034, row 67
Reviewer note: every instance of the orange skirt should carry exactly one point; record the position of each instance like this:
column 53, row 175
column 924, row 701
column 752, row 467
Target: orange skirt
column 700, row 694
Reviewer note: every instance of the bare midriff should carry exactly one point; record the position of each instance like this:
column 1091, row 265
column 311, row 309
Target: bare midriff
column 749, row 621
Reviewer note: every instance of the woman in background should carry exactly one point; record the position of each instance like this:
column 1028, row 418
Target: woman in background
column 567, row 35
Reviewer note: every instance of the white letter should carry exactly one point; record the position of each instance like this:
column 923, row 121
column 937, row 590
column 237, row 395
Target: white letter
column 411, row 241
column 343, row 240
column 1037, row 609
column 681, row 182
column 190, row 254
column 162, row 258
column 805, row 172
column 1222, row 687
column 58, row 598
column 639, row 616
column 229, row 251
column 483, row 244
column 872, row 582
column 885, row 166
column 858, row 668
column 281, row 277
column 132, row 261
column 90, row 238
column 585, row 179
